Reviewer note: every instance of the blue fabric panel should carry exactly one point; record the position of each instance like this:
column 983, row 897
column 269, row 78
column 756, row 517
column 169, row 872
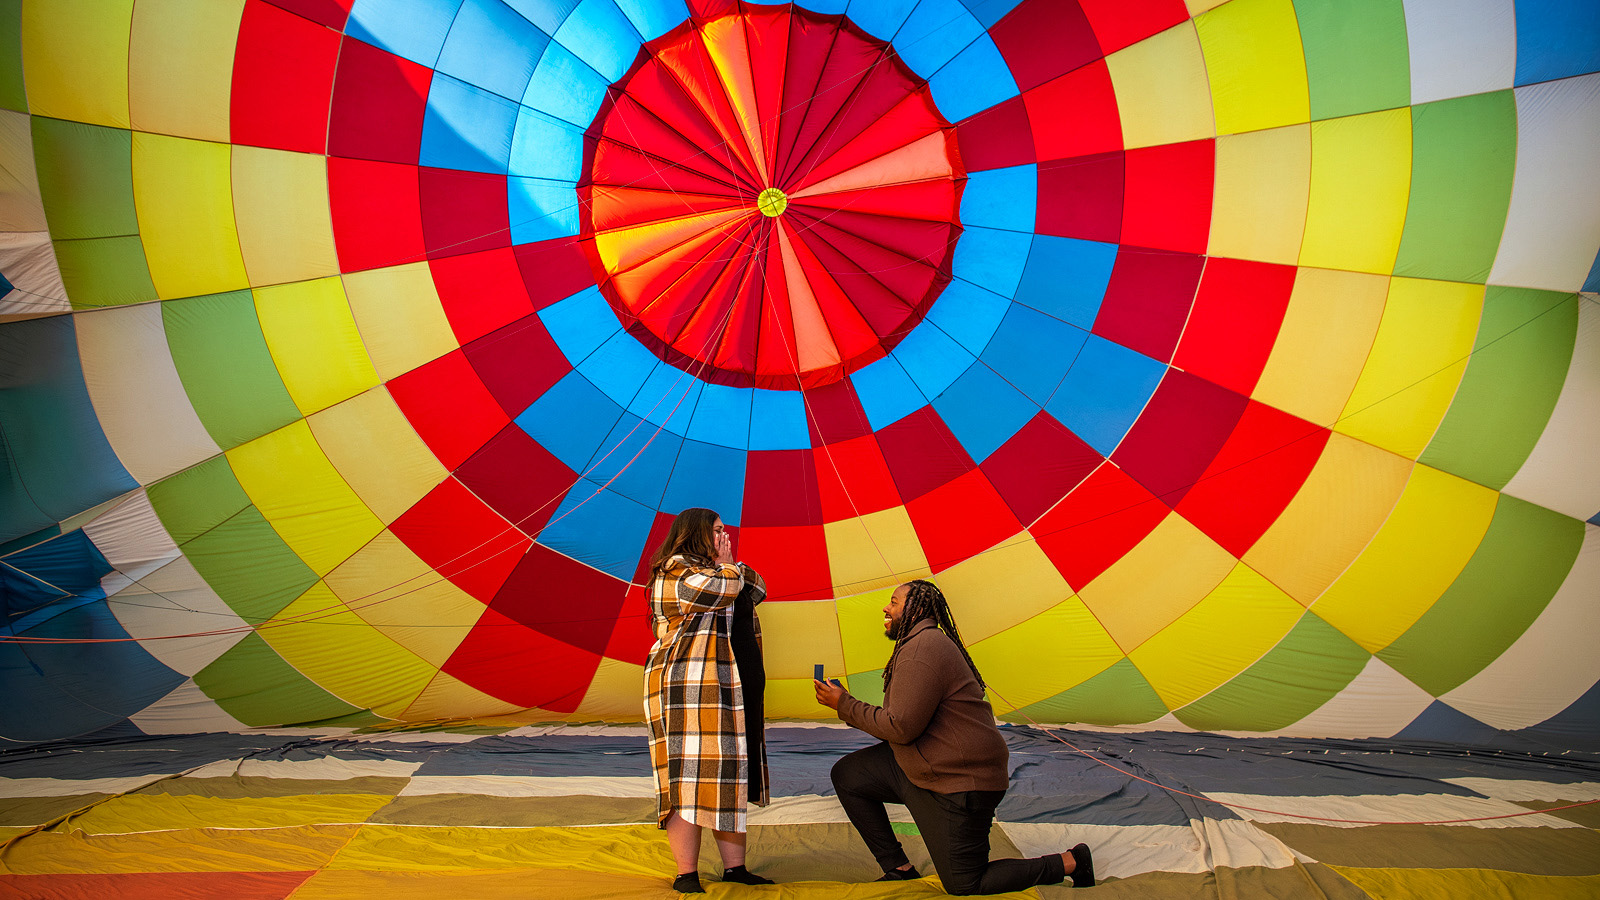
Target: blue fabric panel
column 1104, row 392
column 29, row 540
column 549, row 756
column 1444, row 723
column 540, row 210
column 653, row 18
column 990, row 11
column 1067, row 278
column 722, row 416
column 492, row 47
column 886, row 392
column 58, row 571
column 992, row 259
column 546, row 147
column 709, row 476
column 880, row 18
column 636, row 460
column 570, row 420
column 1576, row 726
column 413, row 29
column 56, row 690
column 565, row 87
column 1001, row 198
column 826, row 6
column 668, row 398
column 983, row 411
column 1592, row 283
column 1557, row 39
column 974, row 81
column 546, row 15
column 969, row 314
column 580, row 324
column 778, row 421
column 601, row 36
column 933, row 34
column 467, row 128
column 599, row 528
column 130, row 754
column 55, row 461
column 1032, row 352
column 619, row 367
column 6, row 286
column 932, row 359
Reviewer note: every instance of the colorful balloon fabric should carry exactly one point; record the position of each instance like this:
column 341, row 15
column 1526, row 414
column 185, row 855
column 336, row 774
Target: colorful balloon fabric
column 1230, row 365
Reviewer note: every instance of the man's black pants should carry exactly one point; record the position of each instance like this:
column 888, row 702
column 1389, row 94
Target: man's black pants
column 955, row 827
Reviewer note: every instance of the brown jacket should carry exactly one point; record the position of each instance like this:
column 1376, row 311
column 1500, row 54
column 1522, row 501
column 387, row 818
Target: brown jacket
column 935, row 718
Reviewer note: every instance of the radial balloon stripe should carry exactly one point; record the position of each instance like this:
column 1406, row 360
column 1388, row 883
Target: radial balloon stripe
column 1133, row 605
column 1167, row 196
column 1361, row 169
column 1523, row 559
column 462, row 538
column 1550, row 188
column 197, row 499
column 1231, row 628
column 183, row 194
column 394, row 591
column 1259, row 206
column 1253, row 477
column 376, row 213
column 492, row 47
column 1557, row 29
column 1234, row 324
column 1016, row 566
column 378, row 106
column 1559, row 474
column 1178, row 434
column 1255, row 64
column 282, row 213
column 369, row 442
column 251, row 683
column 467, row 128
column 983, row 412
column 1452, row 233
column 159, row 606
column 1014, row 651
column 1533, row 332
column 1433, row 530
column 147, row 417
column 249, row 565
column 1102, row 394
column 282, row 80
column 1336, row 349
column 77, row 68
column 99, row 204
column 1162, row 89
column 870, row 551
column 1118, row 695
column 1398, row 404
column 306, row 633
column 1303, row 671
column 221, row 355
column 462, row 212
column 1343, row 82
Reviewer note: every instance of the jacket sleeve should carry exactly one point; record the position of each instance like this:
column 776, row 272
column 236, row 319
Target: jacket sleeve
column 710, row 588
column 901, row 720
column 754, row 581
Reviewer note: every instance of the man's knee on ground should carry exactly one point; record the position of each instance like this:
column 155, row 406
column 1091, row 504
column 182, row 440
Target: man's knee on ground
column 846, row 775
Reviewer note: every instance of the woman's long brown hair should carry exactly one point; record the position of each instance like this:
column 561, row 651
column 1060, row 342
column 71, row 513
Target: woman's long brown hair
column 692, row 537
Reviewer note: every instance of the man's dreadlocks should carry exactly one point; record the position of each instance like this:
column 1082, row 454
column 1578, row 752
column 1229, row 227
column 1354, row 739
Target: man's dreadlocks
column 924, row 600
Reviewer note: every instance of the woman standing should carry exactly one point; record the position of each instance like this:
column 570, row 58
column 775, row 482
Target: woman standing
column 694, row 699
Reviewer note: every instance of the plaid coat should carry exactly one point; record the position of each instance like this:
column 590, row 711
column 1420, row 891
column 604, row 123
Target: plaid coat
column 693, row 700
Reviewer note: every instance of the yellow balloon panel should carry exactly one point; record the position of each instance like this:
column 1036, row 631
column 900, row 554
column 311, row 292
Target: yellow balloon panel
column 298, row 491
column 1327, row 333
column 1255, row 64
column 332, row 646
column 1002, row 586
column 797, row 635
column 446, row 698
column 1433, row 531
column 183, row 192
column 1234, row 626
column 75, row 59
column 314, row 342
column 861, row 630
column 1263, row 181
column 1416, row 363
column 1161, row 89
column 1057, row 650
column 1360, row 182
column 1342, row 504
column 1157, row 581
column 375, row 449
column 876, row 550
column 285, row 226
column 390, row 588
column 401, row 320
column 180, row 66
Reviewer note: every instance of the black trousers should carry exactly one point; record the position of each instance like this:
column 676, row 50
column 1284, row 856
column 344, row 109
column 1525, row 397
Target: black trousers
column 955, row 827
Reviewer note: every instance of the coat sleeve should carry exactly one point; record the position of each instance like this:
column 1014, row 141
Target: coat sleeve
column 903, row 718
column 710, row 588
column 754, row 581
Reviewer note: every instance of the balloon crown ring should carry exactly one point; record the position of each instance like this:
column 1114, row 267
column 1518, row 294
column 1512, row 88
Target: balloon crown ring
column 772, row 202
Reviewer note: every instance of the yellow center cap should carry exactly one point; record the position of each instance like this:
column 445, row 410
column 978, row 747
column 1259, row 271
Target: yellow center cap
column 772, row 202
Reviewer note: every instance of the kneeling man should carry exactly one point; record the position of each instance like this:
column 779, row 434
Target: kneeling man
column 942, row 756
